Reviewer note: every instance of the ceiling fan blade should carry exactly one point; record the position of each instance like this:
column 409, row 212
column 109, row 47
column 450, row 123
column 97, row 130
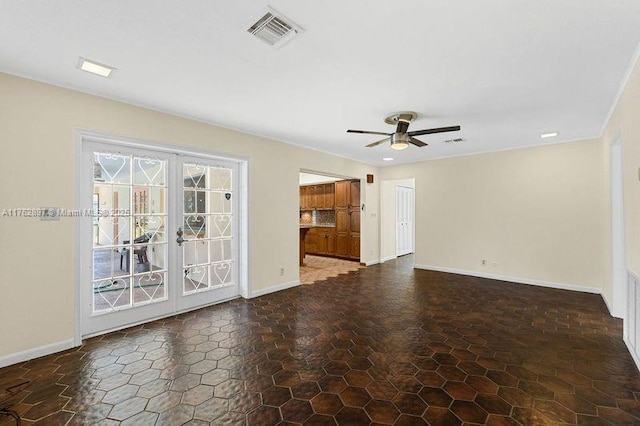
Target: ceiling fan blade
column 377, row 143
column 436, row 130
column 417, row 143
column 368, row 132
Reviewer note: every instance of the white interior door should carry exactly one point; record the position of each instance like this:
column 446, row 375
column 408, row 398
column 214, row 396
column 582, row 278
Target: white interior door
column 404, row 220
column 133, row 269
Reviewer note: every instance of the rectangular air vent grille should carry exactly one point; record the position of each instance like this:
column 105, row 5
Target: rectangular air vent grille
column 274, row 29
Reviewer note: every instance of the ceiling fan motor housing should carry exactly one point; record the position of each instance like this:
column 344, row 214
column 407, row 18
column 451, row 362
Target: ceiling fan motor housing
column 406, row 116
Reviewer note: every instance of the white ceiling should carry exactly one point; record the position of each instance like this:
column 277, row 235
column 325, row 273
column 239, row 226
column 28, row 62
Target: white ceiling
column 504, row 70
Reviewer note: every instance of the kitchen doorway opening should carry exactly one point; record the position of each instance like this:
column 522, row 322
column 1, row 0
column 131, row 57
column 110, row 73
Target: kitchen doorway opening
column 329, row 221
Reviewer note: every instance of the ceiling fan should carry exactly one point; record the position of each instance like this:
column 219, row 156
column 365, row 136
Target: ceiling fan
column 400, row 139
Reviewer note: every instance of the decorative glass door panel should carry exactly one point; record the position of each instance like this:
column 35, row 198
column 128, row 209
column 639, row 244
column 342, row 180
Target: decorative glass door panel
column 208, row 220
column 130, row 251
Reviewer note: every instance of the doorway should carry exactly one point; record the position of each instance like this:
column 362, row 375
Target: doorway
column 330, row 209
column 164, row 236
column 404, row 220
column 397, row 218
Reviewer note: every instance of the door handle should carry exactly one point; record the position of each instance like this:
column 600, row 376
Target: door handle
column 179, row 240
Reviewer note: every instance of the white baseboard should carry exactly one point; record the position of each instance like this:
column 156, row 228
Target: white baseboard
column 372, row 262
column 36, row 352
column 273, row 289
column 608, row 304
column 633, row 353
column 517, row 280
column 385, row 259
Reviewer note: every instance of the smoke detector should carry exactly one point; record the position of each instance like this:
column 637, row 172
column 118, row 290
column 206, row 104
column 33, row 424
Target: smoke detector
column 274, row 28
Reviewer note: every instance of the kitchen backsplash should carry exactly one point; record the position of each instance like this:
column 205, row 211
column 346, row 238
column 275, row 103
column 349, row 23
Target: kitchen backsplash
column 318, row 217
column 306, row 218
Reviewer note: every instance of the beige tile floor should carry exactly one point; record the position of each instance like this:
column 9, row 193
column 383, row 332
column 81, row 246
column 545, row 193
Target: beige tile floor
column 318, row 268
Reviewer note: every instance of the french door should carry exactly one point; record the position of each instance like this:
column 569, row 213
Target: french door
column 162, row 236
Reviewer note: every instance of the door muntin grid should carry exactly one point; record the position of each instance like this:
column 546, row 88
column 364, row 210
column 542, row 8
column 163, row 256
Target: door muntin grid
column 208, row 216
column 130, row 246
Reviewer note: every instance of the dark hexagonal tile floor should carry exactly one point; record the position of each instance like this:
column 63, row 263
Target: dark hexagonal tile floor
column 382, row 345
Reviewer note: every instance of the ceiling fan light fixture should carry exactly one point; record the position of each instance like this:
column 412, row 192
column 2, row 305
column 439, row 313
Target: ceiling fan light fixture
column 399, row 141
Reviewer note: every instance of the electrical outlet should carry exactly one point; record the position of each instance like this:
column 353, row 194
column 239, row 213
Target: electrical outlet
column 281, row 272
column 483, row 262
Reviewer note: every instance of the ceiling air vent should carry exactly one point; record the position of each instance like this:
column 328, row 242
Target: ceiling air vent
column 274, row 29
column 456, row 140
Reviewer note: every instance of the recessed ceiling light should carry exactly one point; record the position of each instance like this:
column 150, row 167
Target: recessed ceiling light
column 387, row 159
column 549, row 135
column 95, row 68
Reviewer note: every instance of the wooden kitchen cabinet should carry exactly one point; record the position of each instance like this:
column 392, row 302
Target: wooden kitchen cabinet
column 354, row 194
column 354, row 247
column 343, row 197
column 354, row 222
column 347, row 200
column 318, row 192
column 342, row 232
column 321, row 246
column 313, row 197
column 331, row 243
column 342, row 194
column 327, row 196
column 317, row 197
column 304, row 199
column 354, row 219
column 342, row 245
column 322, row 241
column 311, row 241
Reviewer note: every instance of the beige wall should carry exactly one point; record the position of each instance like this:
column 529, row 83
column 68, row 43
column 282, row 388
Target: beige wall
column 37, row 122
column 624, row 121
column 536, row 212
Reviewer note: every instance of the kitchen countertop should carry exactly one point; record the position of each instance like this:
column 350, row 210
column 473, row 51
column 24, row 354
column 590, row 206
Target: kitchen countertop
column 317, row 225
